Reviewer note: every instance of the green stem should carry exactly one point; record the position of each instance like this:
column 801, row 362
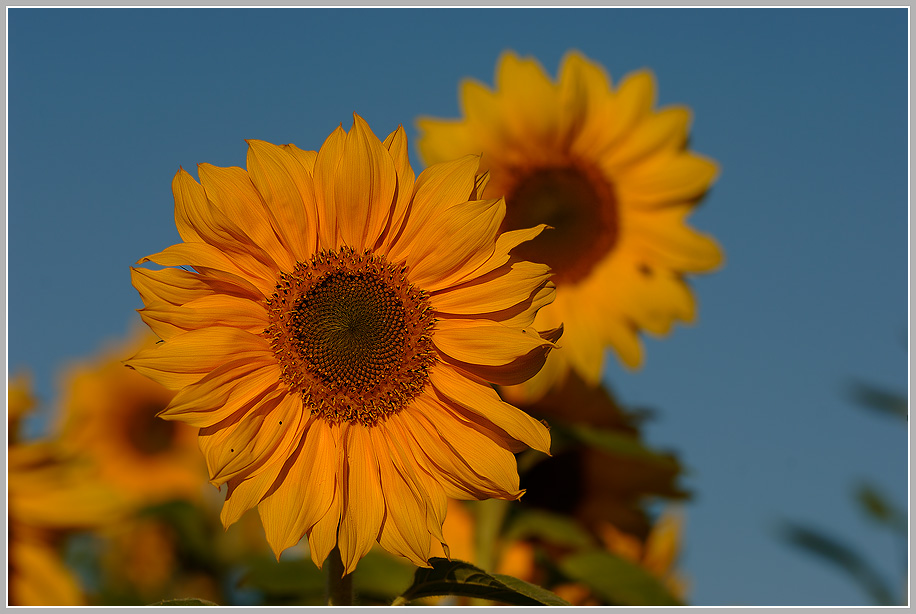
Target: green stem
column 489, row 516
column 340, row 586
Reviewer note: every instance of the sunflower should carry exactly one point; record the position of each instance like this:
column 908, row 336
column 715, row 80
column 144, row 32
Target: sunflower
column 110, row 416
column 49, row 495
column 336, row 337
column 612, row 178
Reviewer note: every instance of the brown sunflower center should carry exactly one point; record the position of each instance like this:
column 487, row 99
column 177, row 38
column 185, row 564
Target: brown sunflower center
column 581, row 208
column 352, row 335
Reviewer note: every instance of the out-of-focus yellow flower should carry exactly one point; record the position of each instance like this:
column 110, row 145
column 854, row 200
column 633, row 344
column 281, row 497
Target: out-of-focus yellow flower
column 657, row 554
column 48, row 494
column 110, row 417
column 37, row 574
column 337, row 336
column 141, row 555
column 20, row 401
column 613, row 178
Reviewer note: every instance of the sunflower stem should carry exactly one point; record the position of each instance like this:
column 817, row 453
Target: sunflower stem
column 340, row 585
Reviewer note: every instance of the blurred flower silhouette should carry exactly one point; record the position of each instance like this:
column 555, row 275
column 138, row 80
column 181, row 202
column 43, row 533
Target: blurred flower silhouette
column 110, row 416
column 601, row 471
column 612, row 178
column 336, row 339
column 49, row 495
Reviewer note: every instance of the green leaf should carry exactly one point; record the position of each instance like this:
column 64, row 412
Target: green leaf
column 881, row 400
column 191, row 601
column 465, row 580
column 836, row 553
column 553, row 528
column 616, row 580
column 538, row 594
column 879, row 509
column 619, row 444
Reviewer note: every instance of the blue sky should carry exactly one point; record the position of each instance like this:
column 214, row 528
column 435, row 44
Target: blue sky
column 805, row 110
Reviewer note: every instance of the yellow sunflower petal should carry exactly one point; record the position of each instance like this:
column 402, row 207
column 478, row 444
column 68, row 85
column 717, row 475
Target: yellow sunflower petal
column 505, row 243
column 445, row 139
column 665, row 235
column 230, row 190
column 482, row 109
column 186, row 358
column 363, row 188
column 418, row 479
column 305, row 157
column 323, row 535
column 525, row 313
column 498, row 290
column 433, row 456
column 481, row 399
column 210, row 257
column 480, row 454
column 403, row 530
column 665, row 130
column 221, row 392
column 396, row 143
column 462, row 241
column 482, row 342
column 632, row 102
column 286, row 186
column 306, row 491
column 177, row 286
column 670, row 178
column 214, row 310
column 526, row 90
column 437, row 187
column 324, row 178
column 261, row 436
column 244, row 443
column 363, row 504
column 581, row 84
column 244, row 493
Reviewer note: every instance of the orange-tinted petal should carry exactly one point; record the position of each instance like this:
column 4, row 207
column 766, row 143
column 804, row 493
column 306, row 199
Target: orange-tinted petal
column 501, row 289
column 324, row 179
column 305, row 491
column 363, row 504
column 186, row 358
column 461, row 241
column 483, row 342
column 396, row 143
column 403, row 530
column 221, row 392
column 437, row 187
column 480, row 398
column 286, row 187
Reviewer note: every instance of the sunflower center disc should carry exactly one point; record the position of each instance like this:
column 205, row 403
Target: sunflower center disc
column 351, row 335
column 351, row 329
column 580, row 207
